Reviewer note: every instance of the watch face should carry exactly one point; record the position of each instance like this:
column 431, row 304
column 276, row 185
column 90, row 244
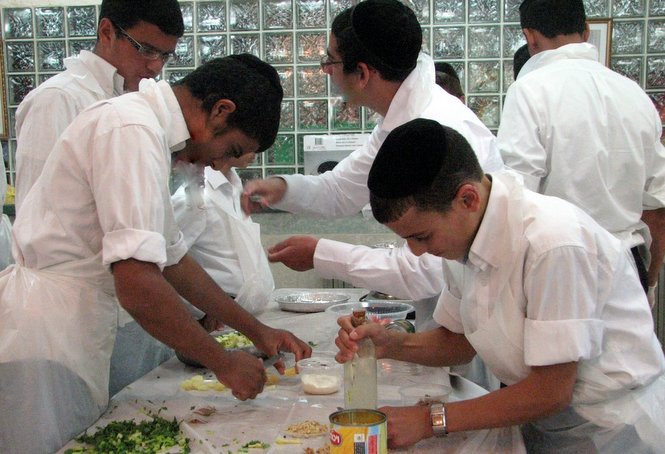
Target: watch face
column 438, row 419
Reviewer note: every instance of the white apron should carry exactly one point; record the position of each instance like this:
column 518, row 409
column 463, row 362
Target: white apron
column 258, row 283
column 57, row 328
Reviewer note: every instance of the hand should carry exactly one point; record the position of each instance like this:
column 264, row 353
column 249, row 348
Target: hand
column 259, row 194
column 296, row 252
column 243, row 373
column 348, row 337
column 272, row 341
column 210, row 323
column 407, row 425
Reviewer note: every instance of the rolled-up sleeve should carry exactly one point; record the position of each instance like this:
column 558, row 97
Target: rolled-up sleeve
column 561, row 341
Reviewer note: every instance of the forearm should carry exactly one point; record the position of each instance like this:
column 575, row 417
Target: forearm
column 435, row 348
column 195, row 285
column 655, row 220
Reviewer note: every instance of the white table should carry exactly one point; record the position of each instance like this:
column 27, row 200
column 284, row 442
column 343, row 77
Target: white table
column 265, row 418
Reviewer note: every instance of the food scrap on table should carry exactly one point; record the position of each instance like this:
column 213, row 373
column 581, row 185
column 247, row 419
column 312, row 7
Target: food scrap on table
column 324, row 450
column 307, row 428
column 200, row 383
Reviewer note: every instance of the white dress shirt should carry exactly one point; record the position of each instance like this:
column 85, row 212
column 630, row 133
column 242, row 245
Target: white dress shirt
column 579, row 131
column 544, row 284
column 48, row 109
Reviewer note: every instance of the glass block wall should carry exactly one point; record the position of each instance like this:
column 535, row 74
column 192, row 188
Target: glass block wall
column 478, row 37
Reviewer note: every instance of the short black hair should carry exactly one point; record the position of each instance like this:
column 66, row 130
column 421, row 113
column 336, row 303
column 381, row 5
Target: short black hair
column 520, row 57
column 421, row 164
column 553, row 17
column 446, row 68
column 449, row 83
column 384, row 34
column 165, row 14
column 253, row 86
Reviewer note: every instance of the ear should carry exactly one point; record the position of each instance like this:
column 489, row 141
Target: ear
column 468, row 197
column 532, row 40
column 105, row 31
column 364, row 72
column 222, row 109
column 586, row 32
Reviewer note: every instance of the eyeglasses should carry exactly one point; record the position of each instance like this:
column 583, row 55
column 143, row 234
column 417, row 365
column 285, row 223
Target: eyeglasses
column 145, row 50
column 326, row 61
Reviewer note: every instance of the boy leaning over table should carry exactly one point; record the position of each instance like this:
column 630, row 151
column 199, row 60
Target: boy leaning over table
column 547, row 298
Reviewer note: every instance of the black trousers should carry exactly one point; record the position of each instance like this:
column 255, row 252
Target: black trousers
column 641, row 268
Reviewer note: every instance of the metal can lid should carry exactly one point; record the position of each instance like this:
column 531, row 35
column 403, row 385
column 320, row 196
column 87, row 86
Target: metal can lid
column 401, row 325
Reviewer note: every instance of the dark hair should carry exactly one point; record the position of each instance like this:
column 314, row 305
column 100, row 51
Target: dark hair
column 446, row 68
column 449, row 83
column 421, row 164
column 165, row 14
column 384, row 34
column 251, row 84
column 520, row 57
column 553, row 17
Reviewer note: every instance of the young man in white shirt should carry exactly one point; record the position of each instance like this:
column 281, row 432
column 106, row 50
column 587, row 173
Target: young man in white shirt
column 99, row 225
column 547, row 298
column 577, row 130
column 134, row 41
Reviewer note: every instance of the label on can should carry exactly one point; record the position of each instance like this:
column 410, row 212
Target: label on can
column 358, row 431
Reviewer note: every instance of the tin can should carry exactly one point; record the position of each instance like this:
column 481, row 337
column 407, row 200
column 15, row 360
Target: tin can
column 404, row 326
column 358, row 431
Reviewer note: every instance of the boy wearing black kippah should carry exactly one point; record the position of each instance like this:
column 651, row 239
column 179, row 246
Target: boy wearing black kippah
column 547, row 298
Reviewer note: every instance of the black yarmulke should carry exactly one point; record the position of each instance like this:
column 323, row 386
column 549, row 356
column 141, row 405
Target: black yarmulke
column 409, row 159
column 389, row 31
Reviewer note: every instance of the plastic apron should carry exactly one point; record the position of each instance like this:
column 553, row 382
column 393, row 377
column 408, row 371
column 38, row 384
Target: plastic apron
column 258, row 283
column 57, row 328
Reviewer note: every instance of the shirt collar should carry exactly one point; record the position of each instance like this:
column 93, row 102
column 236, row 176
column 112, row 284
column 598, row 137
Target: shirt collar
column 583, row 51
column 413, row 94
column 168, row 111
column 95, row 73
column 216, row 178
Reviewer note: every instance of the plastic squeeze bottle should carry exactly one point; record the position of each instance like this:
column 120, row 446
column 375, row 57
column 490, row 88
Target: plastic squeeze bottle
column 360, row 373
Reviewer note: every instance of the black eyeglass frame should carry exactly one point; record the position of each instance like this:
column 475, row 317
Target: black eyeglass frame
column 326, row 61
column 146, row 50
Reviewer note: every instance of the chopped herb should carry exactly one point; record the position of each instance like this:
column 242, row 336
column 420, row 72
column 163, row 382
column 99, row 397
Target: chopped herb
column 312, row 344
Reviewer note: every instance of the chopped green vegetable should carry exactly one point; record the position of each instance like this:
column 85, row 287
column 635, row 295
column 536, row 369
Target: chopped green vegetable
column 145, row 437
column 254, row 444
column 234, row 339
column 312, row 344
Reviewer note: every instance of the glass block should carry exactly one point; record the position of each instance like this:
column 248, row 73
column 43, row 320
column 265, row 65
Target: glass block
column 211, row 16
column 448, row 43
column 282, row 152
column 659, row 101
column 449, row 11
column 286, row 78
column 174, row 76
column 184, row 53
column 627, row 8
column 631, row 67
column 249, row 174
column 44, row 77
column 421, row 10
column 277, row 14
column 311, row 81
column 246, row 44
column 211, row 47
column 596, row 8
column 12, row 121
column 287, row 121
column 313, row 114
column 19, row 87
column 50, row 22
column 627, row 37
column 187, row 9
column 483, row 76
column 655, row 72
column 258, row 160
column 511, row 10
column 426, row 48
column 657, row 8
column 484, row 41
column 486, row 108
column 311, row 47
column 345, row 117
column 77, row 45
column 82, row 20
column 513, row 39
column 50, row 55
column 337, row 6
column 18, row 23
column 483, row 10
column 508, row 74
column 371, row 118
column 278, row 47
column 20, row 57
column 244, row 14
column 311, row 13
column 279, row 171
column 656, row 36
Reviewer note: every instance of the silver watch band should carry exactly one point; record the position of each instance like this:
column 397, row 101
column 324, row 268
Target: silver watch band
column 437, row 413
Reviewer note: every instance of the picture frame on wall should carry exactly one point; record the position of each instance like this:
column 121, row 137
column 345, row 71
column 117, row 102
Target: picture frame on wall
column 4, row 115
column 601, row 36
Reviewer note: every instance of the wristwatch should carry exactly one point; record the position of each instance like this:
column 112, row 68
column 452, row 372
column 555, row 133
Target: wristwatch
column 437, row 414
